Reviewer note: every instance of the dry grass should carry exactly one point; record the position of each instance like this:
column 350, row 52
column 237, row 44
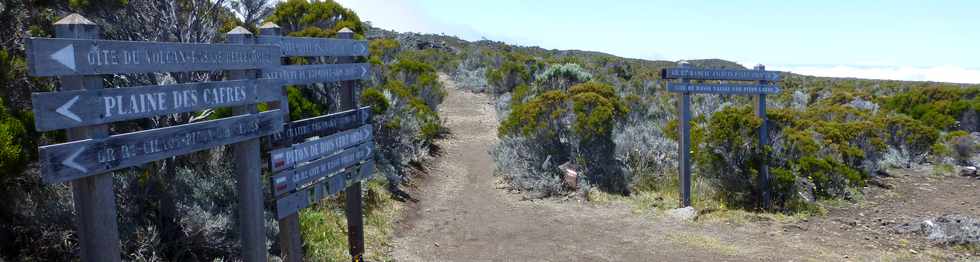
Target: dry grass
column 704, row 242
column 324, row 228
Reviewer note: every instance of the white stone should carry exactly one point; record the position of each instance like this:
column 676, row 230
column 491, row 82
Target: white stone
column 686, row 213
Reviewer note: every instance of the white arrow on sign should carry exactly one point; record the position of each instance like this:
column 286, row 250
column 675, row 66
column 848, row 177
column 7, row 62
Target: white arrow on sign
column 364, row 71
column 65, row 56
column 65, row 110
column 361, row 48
column 70, row 161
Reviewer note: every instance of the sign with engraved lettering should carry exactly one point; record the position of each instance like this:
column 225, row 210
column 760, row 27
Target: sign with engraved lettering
column 291, row 156
column 298, row 131
column 719, row 74
column 60, row 57
column 314, row 46
column 292, row 203
column 731, row 89
column 302, row 176
column 325, row 73
column 68, row 109
column 77, row 159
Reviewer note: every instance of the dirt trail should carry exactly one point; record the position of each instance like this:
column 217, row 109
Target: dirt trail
column 464, row 215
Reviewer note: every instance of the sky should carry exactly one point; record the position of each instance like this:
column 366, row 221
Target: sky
column 900, row 39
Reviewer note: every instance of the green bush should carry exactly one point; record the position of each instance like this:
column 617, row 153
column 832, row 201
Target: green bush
column 375, row 99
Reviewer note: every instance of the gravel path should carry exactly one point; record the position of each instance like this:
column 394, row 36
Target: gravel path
column 463, row 214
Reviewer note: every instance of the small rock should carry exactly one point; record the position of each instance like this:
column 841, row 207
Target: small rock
column 969, row 171
column 686, row 213
column 436, row 243
column 913, row 251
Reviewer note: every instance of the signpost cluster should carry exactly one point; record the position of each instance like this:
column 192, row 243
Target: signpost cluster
column 314, row 158
column 763, row 84
column 318, row 157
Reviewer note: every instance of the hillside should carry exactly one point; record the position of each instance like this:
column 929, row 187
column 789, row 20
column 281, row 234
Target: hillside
column 833, row 137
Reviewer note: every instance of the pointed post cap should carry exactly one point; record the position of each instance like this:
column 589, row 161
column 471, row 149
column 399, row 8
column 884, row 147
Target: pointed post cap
column 76, row 26
column 268, row 25
column 74, row 19
column 345, row 33
column 239, row 31
column 760, row 67
column 270, row 29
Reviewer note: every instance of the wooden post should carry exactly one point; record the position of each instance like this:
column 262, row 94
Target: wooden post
column 249, row 171
column 760, row 111
column 684, row 143
column 355, row 218
column 290, row 239
column 95, row 203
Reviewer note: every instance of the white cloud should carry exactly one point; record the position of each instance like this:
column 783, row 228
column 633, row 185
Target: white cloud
column 946, row 73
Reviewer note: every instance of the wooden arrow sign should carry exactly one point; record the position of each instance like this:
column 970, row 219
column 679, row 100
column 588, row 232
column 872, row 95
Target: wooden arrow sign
column 292, row 203
column 325, row 73
column 289, row 157
column 731, row 89
column 61, row 110
column 312, row 46
column 719, row 74
column 298, row 131
column 77, row 159
column 63, row 57
column 301, row 177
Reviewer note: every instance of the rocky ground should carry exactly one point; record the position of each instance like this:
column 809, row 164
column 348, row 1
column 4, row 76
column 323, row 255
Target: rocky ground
column 464, row 214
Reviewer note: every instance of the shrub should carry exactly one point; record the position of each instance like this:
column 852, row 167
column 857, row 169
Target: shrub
column 375, row 99
column 562, row 76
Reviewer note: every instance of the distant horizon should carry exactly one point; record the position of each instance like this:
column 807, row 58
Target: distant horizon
column 888, row 45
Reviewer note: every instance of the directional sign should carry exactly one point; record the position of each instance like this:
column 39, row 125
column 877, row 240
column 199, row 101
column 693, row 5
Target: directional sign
column 719, row 74
column 60, row 110
column 290, row 157
column 77, row 159
column 54, row 57
column 292, row 203
column 309, row 74
column 298, row 131
column 310, row 46
column 303, row 176
column 734, row 89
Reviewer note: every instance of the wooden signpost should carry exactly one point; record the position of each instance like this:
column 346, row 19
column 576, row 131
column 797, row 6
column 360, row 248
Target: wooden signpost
column 85, row 109
column 313, row 174
column 325, row 73
column 77, row 159
column 59, row 57
column 299, row 131
column 685, row 88
column 337, row 159
column 60, row 110
column 289, row 157
column 340, row 153
column 310, row 46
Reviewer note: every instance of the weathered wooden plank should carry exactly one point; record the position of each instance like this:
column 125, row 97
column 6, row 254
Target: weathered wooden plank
column 293, row 203
column 299, row 131
column 53, row 57
column 73, row 160
column 365, row 172
column 313, row 172
column 93, row 197
column 719, row 74
column 60, row 110
column 730, row 89
column 311, row 46
column 325, row 73
column 289, row 157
